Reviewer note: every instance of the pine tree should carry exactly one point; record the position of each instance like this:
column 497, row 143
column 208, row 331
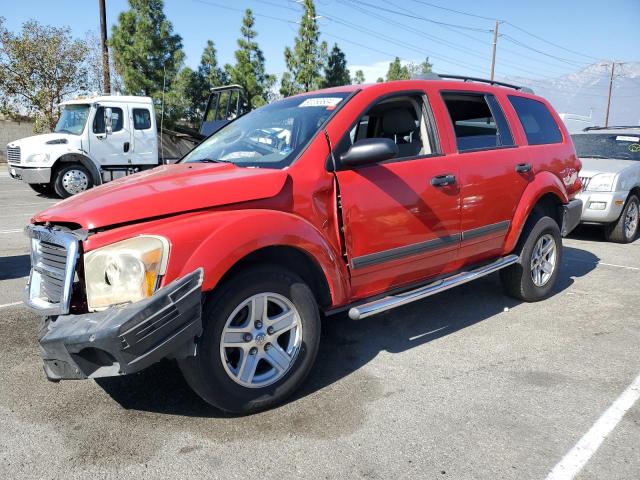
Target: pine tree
column 208, row 70
column 305, row 61
column 146, row 52
column 249, row 70
column 359, row 77
column 336, row 72
column 397, row 71
column 420, row 69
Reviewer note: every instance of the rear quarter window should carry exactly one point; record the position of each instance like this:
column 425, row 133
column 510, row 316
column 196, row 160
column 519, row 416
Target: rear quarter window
column 538, row 123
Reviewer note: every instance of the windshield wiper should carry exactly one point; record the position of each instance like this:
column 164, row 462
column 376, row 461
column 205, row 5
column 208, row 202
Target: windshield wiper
column 212, row 160
column 595, row 156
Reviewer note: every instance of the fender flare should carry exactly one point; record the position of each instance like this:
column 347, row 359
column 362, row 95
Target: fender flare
column 84, row 160
column 544, row 183
column 248, row 231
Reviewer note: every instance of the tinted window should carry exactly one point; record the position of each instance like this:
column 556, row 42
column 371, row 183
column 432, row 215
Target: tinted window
column 478, row 121
column 141, row 119
column 538, row 124
column 116, row 120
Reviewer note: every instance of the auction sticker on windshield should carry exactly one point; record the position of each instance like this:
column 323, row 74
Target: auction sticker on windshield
column 321, row 102
column 622, row 138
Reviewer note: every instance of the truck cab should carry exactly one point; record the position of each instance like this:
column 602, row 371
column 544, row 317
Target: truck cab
column 96, row 140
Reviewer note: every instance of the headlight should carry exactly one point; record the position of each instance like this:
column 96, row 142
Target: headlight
column 125, row 272
column 602, row 182
column 38, row 158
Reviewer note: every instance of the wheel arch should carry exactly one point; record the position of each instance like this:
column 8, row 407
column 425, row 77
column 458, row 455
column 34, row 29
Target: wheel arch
column 546, row 194
column 82, row 160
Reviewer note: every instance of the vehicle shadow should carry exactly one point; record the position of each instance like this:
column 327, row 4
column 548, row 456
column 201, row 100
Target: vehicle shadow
column 16, row 266
column 347, row 346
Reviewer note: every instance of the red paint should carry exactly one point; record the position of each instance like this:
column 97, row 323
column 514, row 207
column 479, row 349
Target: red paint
column 214, row 215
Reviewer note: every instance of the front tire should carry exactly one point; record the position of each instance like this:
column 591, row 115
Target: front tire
column 41, row 188
column 540, row 250
column 625, row 229
column 260, row 340
column 72, row 179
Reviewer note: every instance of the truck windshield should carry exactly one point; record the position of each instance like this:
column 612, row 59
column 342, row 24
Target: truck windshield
column 271, row 136
column 72, row 119
column 607, row 145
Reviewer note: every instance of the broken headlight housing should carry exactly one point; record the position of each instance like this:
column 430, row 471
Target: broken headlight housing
column 125, row 272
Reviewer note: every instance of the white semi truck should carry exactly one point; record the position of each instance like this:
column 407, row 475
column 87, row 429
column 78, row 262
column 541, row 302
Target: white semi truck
column 101, row 138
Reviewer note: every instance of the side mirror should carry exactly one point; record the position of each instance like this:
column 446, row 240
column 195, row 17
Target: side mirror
column 369, row 150
column 108, row 121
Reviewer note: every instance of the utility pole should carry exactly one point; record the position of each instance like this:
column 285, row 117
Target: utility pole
column 606, row 117
column 106, row 77
column 495, row 44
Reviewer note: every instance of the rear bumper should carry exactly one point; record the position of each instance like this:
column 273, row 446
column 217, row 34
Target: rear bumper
column 124, row 340
column 571, row 213
column 30, row 175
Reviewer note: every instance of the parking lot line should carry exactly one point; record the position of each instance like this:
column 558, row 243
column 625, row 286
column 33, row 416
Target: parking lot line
column 10, row 304
column 602, row 263
column 15, row 230
column 580, row 454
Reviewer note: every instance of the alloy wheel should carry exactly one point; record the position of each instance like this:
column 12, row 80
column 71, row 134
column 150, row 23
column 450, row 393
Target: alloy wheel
column 543, row 260
column 75, row 181
column 631, row 220
column 261, row 340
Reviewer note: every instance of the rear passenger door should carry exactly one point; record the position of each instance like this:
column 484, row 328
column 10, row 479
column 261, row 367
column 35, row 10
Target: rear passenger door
column 493, row 172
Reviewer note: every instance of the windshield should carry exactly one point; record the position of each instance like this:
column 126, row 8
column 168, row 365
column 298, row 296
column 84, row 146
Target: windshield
column 72, row 119
column 607, row 145
column 270, row 136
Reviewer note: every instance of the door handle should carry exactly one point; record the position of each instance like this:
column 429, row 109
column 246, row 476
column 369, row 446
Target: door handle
column 523, row 167
column 443, row 180
column 126, row 147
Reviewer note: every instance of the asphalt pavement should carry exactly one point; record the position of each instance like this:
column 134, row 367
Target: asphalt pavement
column 468, row 384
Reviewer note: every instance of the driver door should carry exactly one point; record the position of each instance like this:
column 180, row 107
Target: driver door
column 114, row 148
column 399, row 227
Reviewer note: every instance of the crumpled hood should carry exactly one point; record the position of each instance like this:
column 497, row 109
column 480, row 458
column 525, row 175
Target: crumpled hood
column 165, row 190
column 592, row 166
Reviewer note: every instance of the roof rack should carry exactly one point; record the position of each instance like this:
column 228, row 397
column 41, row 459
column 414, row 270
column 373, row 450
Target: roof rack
column 466, row 78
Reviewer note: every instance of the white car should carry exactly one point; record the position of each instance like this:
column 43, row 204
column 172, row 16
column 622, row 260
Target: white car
column 610, row 179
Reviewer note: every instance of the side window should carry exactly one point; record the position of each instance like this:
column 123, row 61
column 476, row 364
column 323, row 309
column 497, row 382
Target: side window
column 116, row 122
column 478, row 121
column 141, row 119
column 537, row 122
column 400, row 119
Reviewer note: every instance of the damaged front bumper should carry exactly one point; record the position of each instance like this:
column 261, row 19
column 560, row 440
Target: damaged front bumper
column 123, row 340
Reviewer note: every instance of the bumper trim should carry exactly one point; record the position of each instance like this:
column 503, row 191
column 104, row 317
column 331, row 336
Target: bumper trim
column 30, row 174
column 124, row 340
column 571, row 213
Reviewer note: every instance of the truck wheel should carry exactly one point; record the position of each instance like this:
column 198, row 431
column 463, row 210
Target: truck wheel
column 625, row 229
column 41, row 188
column 260, row 339
column 540, row 250
column 72, row 179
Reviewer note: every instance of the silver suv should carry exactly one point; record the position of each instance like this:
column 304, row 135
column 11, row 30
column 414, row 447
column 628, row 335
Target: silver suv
column 610, row 179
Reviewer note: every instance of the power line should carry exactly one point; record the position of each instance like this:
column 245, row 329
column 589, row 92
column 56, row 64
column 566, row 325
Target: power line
column 524, row 45
column 455, row 11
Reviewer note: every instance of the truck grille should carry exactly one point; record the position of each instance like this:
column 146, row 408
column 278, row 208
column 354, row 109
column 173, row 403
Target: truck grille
column 54, row 254
column 585, row 182
column 13, row 154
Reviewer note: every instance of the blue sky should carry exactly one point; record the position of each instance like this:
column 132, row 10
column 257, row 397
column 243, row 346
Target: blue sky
column 371, row 32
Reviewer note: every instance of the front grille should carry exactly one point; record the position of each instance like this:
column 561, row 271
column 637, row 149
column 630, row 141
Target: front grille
column 13, row 154
column 54, row 254
column 585, row 182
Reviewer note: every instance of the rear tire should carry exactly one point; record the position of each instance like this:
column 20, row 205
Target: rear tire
column 254, row 369
column 540, row 249
column 625, row 229
column 71, row 179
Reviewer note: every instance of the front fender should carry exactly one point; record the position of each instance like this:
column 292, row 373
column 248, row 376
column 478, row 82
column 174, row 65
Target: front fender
column 243, row 232
column 543, row 183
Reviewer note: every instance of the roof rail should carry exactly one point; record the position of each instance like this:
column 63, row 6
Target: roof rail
column 466, row 78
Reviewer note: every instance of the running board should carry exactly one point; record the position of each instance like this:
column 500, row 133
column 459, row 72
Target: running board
column 393, row 301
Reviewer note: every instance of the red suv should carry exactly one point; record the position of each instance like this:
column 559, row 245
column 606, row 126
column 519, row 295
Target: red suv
column 357, row 198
